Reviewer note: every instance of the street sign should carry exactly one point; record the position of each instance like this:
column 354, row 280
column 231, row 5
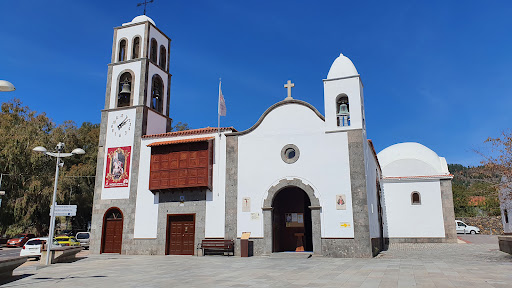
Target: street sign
column 64, row 210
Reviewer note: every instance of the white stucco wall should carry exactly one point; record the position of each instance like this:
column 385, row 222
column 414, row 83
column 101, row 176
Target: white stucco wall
column 405, row 220
column 115, row 141
column 157, row 124
column 161, row 40
column 323, row 164
column 352, row 88
column 135, row 67
column 146, row 209
column 129, row 34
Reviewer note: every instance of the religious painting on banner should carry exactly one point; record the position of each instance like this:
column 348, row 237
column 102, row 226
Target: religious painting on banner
column 118, row 167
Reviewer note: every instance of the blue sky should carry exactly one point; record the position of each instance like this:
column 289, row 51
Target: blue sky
column 435, row 72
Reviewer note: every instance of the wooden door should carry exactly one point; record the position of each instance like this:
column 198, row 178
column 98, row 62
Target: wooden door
column 112, row 232
column 180, row 234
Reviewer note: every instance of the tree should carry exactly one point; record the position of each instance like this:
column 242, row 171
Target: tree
column 180, row 126
column 499, row 157
column 28, row 177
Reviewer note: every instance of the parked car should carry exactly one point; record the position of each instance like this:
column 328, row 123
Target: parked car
column 463, row 228
column 32, row 248
column 67, row 241
column 83, row 238
column 19, row 240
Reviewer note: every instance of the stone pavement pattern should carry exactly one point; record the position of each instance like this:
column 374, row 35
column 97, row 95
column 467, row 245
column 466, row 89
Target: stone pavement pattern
column 403, row 265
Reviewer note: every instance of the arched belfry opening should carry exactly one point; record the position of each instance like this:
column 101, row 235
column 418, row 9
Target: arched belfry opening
column 291, row 221
column 157, row 93
column 342, row 110
column 122, row 51
column 125, row 90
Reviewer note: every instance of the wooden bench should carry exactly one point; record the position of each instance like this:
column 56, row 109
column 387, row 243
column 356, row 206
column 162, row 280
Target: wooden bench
column 217, row 245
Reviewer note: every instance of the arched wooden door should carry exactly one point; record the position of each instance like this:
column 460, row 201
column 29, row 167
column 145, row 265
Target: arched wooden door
column 112, row 236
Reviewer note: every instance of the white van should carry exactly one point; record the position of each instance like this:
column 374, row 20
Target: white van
column 463, row 228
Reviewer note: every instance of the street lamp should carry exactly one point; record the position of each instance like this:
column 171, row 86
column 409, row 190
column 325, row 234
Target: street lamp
column 58, row 155
column 6, row 86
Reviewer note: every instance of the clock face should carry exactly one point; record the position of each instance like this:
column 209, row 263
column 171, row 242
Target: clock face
column 121, row 126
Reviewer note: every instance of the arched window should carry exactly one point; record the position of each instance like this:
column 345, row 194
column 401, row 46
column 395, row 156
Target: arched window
column 162, row 57
column 154, row 50
column 415, row 198
column 157, row 94
column 505, row 215
column 122, row 51
column 136, row 48
column 342, row 110
column 124, row 95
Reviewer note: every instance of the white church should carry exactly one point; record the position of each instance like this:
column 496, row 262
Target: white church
column 296, row 180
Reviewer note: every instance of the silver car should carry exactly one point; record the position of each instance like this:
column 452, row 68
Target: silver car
column 83, row 238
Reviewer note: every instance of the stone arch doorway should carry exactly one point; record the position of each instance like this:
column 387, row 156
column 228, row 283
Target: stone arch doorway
column 313, row 209
column 291, row 221
column 112, row 233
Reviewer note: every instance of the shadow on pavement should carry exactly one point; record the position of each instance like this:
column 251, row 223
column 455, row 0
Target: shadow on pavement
column 7, row 280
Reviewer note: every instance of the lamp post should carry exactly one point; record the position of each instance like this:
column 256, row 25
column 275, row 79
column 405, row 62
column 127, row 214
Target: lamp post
column 6, row 86
column 59, row 154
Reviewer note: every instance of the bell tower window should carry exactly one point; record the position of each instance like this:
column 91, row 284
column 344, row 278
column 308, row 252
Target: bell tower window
column 342, row 110
column 122, row 51
column 154, row 48
column 125, row 91
column 415, row 198
column 162, row 57
column 136, row 48
column 157, row 89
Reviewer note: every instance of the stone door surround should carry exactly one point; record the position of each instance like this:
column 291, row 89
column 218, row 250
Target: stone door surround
column 315, row 213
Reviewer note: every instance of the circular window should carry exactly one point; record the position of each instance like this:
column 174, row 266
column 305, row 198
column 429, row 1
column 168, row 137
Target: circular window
column 290, row 153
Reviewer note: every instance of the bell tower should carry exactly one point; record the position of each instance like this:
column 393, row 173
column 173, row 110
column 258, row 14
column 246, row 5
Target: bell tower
column 136, row 103
column 343, row 97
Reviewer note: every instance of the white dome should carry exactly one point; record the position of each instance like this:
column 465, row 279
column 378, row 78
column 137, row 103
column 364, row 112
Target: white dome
column 342, row 67
column 140, row 18
column 411, row 159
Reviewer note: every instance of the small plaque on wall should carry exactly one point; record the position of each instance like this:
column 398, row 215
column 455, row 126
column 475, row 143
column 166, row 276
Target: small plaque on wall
column 246, row 204
column 341, row 202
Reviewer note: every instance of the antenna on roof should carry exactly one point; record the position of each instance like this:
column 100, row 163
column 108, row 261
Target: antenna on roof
column 145, row 3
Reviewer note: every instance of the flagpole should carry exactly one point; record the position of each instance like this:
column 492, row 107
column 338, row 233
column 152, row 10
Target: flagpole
column 218, row 112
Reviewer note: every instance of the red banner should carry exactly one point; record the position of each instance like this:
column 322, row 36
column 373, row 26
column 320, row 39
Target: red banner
column 118, row 167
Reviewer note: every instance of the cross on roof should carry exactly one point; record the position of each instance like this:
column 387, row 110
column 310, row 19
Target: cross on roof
column 289, row 86
column 145, row 3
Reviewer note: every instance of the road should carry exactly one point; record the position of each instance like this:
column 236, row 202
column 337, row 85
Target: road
column 9, row 252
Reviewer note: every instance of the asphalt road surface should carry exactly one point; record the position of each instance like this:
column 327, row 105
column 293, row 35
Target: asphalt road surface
column 9, row 252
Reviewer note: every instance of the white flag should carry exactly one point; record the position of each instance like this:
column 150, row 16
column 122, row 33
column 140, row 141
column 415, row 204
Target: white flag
column 222, row 104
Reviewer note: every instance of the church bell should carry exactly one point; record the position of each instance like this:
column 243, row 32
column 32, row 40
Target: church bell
column 343, row 110
column 126, row 90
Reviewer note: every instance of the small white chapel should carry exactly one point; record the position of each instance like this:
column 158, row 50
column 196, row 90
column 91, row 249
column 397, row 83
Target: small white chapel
column 295, row 181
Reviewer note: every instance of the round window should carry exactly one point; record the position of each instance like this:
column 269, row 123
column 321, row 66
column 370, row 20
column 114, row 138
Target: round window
column 290, row 153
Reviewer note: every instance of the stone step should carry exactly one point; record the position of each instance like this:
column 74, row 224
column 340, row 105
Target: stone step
column 298, row 255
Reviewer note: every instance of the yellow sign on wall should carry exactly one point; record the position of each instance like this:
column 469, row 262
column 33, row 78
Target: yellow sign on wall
column 345, row 225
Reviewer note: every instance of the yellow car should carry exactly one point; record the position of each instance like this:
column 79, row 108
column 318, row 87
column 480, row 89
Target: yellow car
column 67, row 241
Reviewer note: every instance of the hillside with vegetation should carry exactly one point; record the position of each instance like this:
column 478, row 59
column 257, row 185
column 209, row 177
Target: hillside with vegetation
column 475, row 191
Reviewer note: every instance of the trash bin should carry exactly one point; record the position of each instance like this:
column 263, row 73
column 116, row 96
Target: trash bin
column 246, row 246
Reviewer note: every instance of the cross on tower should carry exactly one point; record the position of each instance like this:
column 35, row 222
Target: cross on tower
column 145, row 3
column 289, row 86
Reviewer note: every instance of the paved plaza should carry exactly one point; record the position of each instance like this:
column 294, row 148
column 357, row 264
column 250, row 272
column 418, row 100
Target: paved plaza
column 403, row 265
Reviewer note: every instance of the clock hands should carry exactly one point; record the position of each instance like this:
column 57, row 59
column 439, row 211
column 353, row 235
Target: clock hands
column 122, row 123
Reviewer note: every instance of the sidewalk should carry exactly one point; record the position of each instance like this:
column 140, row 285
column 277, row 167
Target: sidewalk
column 403, row 265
